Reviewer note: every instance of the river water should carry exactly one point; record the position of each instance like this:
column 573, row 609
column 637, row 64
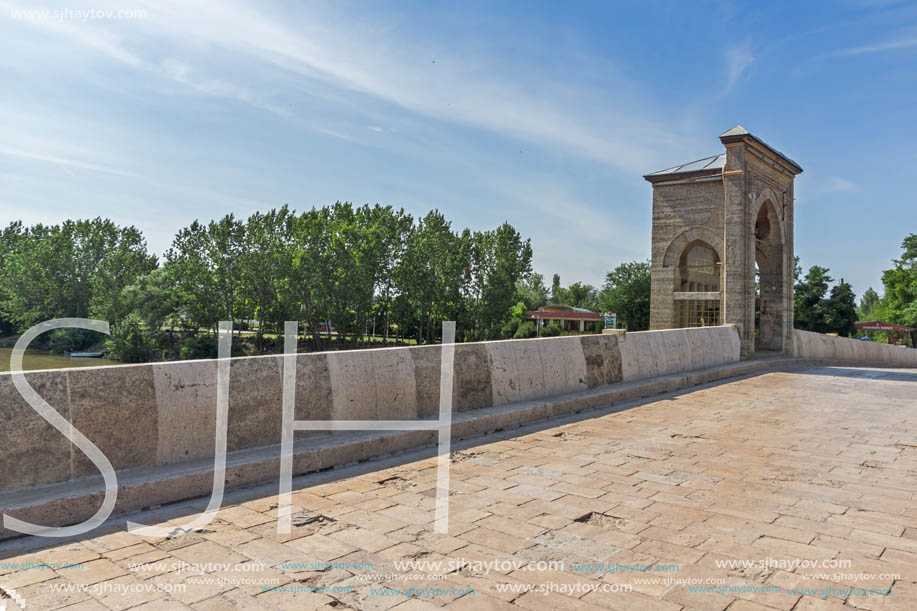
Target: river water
column 43, row 360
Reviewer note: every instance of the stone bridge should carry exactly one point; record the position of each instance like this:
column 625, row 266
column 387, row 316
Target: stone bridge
column 662, row 448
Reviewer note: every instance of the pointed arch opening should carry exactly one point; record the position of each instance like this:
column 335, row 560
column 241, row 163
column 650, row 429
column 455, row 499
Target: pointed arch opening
column 697, row 289
column 770, row 305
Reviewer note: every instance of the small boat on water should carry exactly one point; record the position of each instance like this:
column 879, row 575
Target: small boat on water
column 87, row 355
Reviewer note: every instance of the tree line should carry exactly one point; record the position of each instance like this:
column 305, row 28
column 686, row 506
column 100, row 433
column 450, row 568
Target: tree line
column 820, row 308
column 898, row 304
column 357, row 271
column 350, row 274
column 833, row 309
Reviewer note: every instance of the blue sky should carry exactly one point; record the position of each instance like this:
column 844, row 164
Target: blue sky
column 542, row 114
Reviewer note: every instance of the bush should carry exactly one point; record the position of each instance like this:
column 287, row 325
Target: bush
column 73, row 340
column 552, row 330
column 129, row 343
column 6, row 327
column 205, row 347
column 509, row 329
column 526, row 329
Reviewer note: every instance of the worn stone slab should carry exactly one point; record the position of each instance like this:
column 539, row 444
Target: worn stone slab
column 630, row 362
column 504, row 373
column 115, row 408
column 646, row 356
column 612, row 352
column 186, row 400
column 660, row 353
column 427, row 361
column 353, row 385
column 678, row 350
column 594, row 359
column 574, row 364
column 396, row 393
column 313, row 388
column 255, row 402
column 553, row 367
column 22, row 430
column 472, row 378
column 529, row 368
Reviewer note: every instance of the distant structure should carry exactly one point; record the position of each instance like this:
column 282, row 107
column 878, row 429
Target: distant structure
column 567, row 317
column 715, row 221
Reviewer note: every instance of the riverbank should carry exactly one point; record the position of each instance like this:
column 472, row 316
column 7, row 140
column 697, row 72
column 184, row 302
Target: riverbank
column 36, row 359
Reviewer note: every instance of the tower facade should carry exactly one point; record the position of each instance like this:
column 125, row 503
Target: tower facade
column 722, row 247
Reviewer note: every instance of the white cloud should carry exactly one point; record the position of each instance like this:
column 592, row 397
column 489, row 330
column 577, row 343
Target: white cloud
column 738, row 59
column 889, row 45
column 224, row 46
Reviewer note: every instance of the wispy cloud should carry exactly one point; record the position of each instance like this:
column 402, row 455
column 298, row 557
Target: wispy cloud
column 550, row 212
column 881, row 47
column 325, row 50
column 63, row 162
column 835, row 184
column 738, row 60
column 818, row 186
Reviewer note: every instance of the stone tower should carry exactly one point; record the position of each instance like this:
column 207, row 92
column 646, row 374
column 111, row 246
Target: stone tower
column 716, row 222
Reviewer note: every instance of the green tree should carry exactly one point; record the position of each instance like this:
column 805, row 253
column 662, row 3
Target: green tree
column 122, row 258
column 129, row 342
column 532, row 291
column 869, row 303
column 208, row 266
column 11, row 239
column 431, row 275
column 840, row 310
column 809, row 297
column 265, row 265
column 509, row 259
column 626, row 292
column 579, row 295
column 312, row 283
column 900, row 300
column 75, row 269
column 393, row 227
column 154, row 298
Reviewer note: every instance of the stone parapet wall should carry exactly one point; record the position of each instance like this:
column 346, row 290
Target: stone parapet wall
column 647, row 354
column 157, row 414
column 807, row 344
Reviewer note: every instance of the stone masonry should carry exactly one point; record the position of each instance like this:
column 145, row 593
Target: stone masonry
column 738, row 207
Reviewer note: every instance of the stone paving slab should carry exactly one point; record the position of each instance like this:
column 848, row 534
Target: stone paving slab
column 776, row 470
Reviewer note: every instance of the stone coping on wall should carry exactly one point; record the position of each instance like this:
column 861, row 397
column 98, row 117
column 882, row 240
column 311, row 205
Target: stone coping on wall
column 817, row 345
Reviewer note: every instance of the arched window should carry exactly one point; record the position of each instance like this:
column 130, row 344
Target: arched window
column 698, row 269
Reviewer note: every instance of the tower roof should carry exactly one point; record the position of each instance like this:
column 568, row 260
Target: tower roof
column 739, row 133
column 716, row 163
